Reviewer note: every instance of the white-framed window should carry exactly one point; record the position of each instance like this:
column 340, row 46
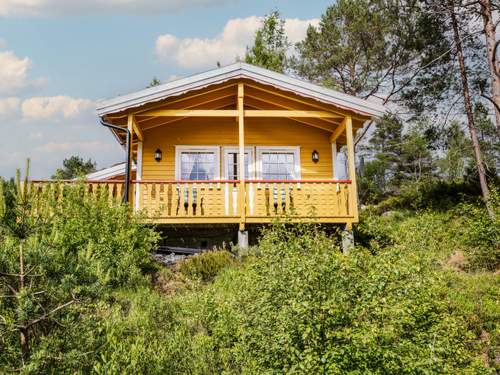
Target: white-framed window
column 231, row 163
column 197, row 163
column 278, row 163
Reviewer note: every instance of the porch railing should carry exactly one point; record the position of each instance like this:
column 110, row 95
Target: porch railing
column 218, row 201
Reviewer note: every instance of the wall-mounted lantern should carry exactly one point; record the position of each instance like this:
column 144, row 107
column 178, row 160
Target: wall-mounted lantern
column 315, row 156
column 158, row 154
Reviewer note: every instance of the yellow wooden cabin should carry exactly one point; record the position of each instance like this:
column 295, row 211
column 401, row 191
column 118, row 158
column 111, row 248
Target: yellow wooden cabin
column 187, row 138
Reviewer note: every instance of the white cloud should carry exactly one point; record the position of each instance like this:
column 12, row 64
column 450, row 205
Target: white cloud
column 14, row 71
column 238, row 33
column 3, row 43
column 77, row 7
column 55, row 107
column 9, row 106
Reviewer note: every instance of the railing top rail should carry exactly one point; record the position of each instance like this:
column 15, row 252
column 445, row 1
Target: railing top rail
column 78, row 181
column 237, row 181
column 194, row 181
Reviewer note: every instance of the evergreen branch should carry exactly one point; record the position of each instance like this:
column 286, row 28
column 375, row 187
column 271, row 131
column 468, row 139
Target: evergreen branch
column 47, row 315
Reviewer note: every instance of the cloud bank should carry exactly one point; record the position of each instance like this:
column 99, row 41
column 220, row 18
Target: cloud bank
column 238, row 33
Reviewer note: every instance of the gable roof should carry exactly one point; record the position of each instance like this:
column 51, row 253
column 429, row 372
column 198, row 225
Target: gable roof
column 235, row 71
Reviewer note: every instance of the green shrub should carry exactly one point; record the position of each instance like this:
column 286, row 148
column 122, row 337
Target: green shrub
column 75, row 253
column 303, row 307
column 430, row 193
column 481, row 233
column 206, row 266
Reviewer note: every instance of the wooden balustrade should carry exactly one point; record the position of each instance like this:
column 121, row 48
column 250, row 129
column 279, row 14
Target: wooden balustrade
column 322, row 199
column 217, row 201
column 112, row 189
column 182, row 201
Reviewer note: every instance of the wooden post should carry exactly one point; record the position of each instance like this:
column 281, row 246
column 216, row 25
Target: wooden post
column 138, row 176
column 241, row 161
column 130, row 126
column 353, row 197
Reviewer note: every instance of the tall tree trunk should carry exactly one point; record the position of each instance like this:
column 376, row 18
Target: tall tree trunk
column 490, row 35
column 468, row 109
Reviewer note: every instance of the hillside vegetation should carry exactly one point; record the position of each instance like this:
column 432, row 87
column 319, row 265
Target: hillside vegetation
column 419, row 294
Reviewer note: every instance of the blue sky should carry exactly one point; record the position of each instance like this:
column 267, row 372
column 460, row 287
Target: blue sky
column 57, row 57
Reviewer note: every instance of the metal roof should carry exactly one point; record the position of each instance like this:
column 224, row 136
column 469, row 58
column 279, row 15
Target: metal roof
column 236, row 71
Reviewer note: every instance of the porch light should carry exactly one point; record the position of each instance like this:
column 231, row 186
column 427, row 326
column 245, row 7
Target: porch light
column 158, row 154
column 315, row 156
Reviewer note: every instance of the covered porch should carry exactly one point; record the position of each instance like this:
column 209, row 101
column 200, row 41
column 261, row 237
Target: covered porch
column 237, row 107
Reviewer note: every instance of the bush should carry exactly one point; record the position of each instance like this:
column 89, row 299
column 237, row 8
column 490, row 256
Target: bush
column 75, row 253
column 303, row 307
column 431, row 193
column 481, row 234
column 206, row 266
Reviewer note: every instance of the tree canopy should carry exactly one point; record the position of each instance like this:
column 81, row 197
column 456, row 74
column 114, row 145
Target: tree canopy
column 75, row 166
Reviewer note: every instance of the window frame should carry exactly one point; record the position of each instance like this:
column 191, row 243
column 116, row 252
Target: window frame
column 179, row 149
column 262, row 149
column 251, row 162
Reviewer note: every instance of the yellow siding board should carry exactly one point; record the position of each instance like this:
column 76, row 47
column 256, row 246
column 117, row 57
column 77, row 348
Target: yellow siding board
column 224, row 132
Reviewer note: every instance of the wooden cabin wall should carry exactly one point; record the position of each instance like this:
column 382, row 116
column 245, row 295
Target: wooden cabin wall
column 224, row 132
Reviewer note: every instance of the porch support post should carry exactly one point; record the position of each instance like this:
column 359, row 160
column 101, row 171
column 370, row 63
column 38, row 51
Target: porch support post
column 241, row 159
column 130, row 127
column 334, row 160
column 138, row 176
column 347, row 238
column 353, row 196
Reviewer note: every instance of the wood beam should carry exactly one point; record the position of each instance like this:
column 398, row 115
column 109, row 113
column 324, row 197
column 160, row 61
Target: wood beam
column 279, row 103
column 288, row 96
column 203, row 104
column 173, row 119
column 191, row 113
column 137, row 129
column 322, row 124
column 241, row 161
column 290, row 113
column 130, row 127
column 184, row 98
column 337, row 132
column 220, row 103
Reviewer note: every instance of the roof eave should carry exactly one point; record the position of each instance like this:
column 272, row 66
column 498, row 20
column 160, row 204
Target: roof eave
column 235, row 71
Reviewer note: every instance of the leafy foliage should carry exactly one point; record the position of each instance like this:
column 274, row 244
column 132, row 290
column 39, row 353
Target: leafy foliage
column 58, row 260
column 74, row 167
column 207, row 265
column 154, row 82
column 481, row 234
column 270, row 45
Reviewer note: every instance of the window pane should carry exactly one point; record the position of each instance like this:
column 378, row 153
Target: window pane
column 232, row 165
column 278, row 165
column 197, row 165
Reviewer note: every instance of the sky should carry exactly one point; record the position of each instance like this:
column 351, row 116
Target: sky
column 59, row 57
